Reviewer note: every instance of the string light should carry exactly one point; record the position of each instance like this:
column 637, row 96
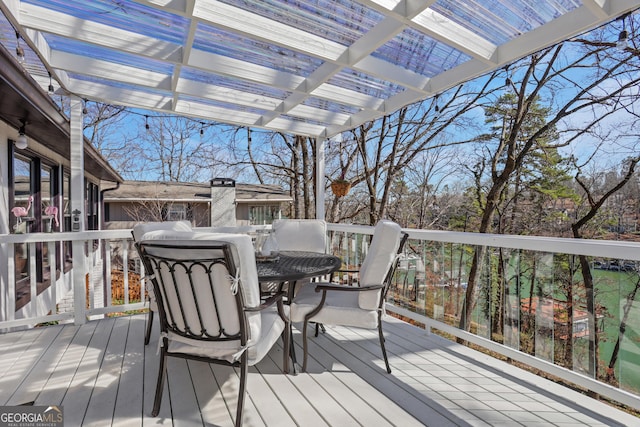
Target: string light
column 84, row 106
column 19, row 49
column 146, row 122
column 437, row 108
column 507, row 81
column 201, row 128
column 623, row 37
column 622, row 42
column 51, row 89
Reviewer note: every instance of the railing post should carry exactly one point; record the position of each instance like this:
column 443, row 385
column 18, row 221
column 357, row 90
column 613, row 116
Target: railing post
column 79, row 283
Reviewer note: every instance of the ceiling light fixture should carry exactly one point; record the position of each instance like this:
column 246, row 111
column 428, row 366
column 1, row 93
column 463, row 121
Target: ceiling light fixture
column 19, row 49
column 21, row 142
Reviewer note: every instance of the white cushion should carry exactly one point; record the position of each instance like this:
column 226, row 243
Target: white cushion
column 354, row 308
column 237, row 229
column 140, row 229
column 379, row 259
column 341, row 308
column 300, row 234
column 230, row 351
column 244, row 259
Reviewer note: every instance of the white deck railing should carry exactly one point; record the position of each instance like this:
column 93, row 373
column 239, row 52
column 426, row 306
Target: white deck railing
column 520, row 302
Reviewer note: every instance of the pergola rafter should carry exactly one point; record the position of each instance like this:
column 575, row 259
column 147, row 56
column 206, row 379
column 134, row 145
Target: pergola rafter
column 308, row 68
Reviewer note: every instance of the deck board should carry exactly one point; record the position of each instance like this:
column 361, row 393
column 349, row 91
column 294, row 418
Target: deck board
column 14, row 385
column 105, row 391
column 76, row 400
column 128, row 406
column 103, row 374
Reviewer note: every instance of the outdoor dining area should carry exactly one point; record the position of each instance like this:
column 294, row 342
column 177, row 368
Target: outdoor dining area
column 299, row 322
column 246, row 327
column 207, row 291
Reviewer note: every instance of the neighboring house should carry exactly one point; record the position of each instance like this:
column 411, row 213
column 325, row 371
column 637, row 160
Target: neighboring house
column 221, row 201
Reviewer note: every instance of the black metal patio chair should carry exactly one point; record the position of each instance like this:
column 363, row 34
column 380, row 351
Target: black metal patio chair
column 209, row 306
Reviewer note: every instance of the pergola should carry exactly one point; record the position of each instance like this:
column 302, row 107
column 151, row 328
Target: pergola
column 312, row 68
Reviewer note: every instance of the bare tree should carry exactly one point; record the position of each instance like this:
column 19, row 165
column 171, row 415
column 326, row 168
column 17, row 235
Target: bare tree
column 539, row 77
column 594, row 204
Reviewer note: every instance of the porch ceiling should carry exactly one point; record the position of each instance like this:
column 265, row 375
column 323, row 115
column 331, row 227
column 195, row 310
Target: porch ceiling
column 304, row 67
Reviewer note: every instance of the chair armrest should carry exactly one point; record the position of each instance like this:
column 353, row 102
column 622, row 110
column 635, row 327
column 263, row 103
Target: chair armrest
column 274, row 299
column 347, row 270
column 335, row 287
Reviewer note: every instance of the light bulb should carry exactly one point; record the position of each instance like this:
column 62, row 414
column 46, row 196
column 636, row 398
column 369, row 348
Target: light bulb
column 21, row 142
column 19, row 50
column 20, row 54
column 622, row 44
column 50, row 89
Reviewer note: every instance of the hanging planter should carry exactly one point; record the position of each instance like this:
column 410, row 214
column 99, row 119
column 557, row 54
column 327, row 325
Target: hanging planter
column 340, row 187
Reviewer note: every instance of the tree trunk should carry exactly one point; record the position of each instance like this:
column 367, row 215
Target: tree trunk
column 611, row 375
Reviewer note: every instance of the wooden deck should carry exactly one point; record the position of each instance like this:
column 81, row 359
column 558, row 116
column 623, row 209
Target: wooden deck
column 102, row 374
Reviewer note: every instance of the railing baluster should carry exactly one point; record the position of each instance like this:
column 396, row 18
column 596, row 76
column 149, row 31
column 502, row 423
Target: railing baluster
column 125, row 272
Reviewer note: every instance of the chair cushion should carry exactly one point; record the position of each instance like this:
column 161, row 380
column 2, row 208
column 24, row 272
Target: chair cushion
column 140, row 229
column 378, row 261
column 230, row 351
column 300, row 234
column 235, row 229
column 244, row 257
column 340, row 308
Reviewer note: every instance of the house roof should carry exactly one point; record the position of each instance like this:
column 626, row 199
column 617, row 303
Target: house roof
column 192, row 192
column 311, row 68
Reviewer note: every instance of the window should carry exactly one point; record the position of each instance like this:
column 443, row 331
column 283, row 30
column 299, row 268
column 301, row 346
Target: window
column 22, row 213
column 91, row 206
column 21, row 222
column 263, row 214
column 176, row 212
column 66, row 215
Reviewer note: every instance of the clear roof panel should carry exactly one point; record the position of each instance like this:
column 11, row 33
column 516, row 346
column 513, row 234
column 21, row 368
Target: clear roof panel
column 502, row 20
column 362, row 83
column 420, row 53
column 233, row 83
column 341, row 21
column 311, row 67
column 229, row 106
column 226, row 43
column 76, row 47
column 327, row 105
column 124, row 15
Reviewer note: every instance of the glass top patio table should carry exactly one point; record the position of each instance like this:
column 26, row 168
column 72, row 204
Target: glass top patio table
column 290, row 266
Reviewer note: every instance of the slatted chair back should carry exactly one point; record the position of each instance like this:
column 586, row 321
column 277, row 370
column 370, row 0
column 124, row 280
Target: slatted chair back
column 198, row 294
column 138, row 231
